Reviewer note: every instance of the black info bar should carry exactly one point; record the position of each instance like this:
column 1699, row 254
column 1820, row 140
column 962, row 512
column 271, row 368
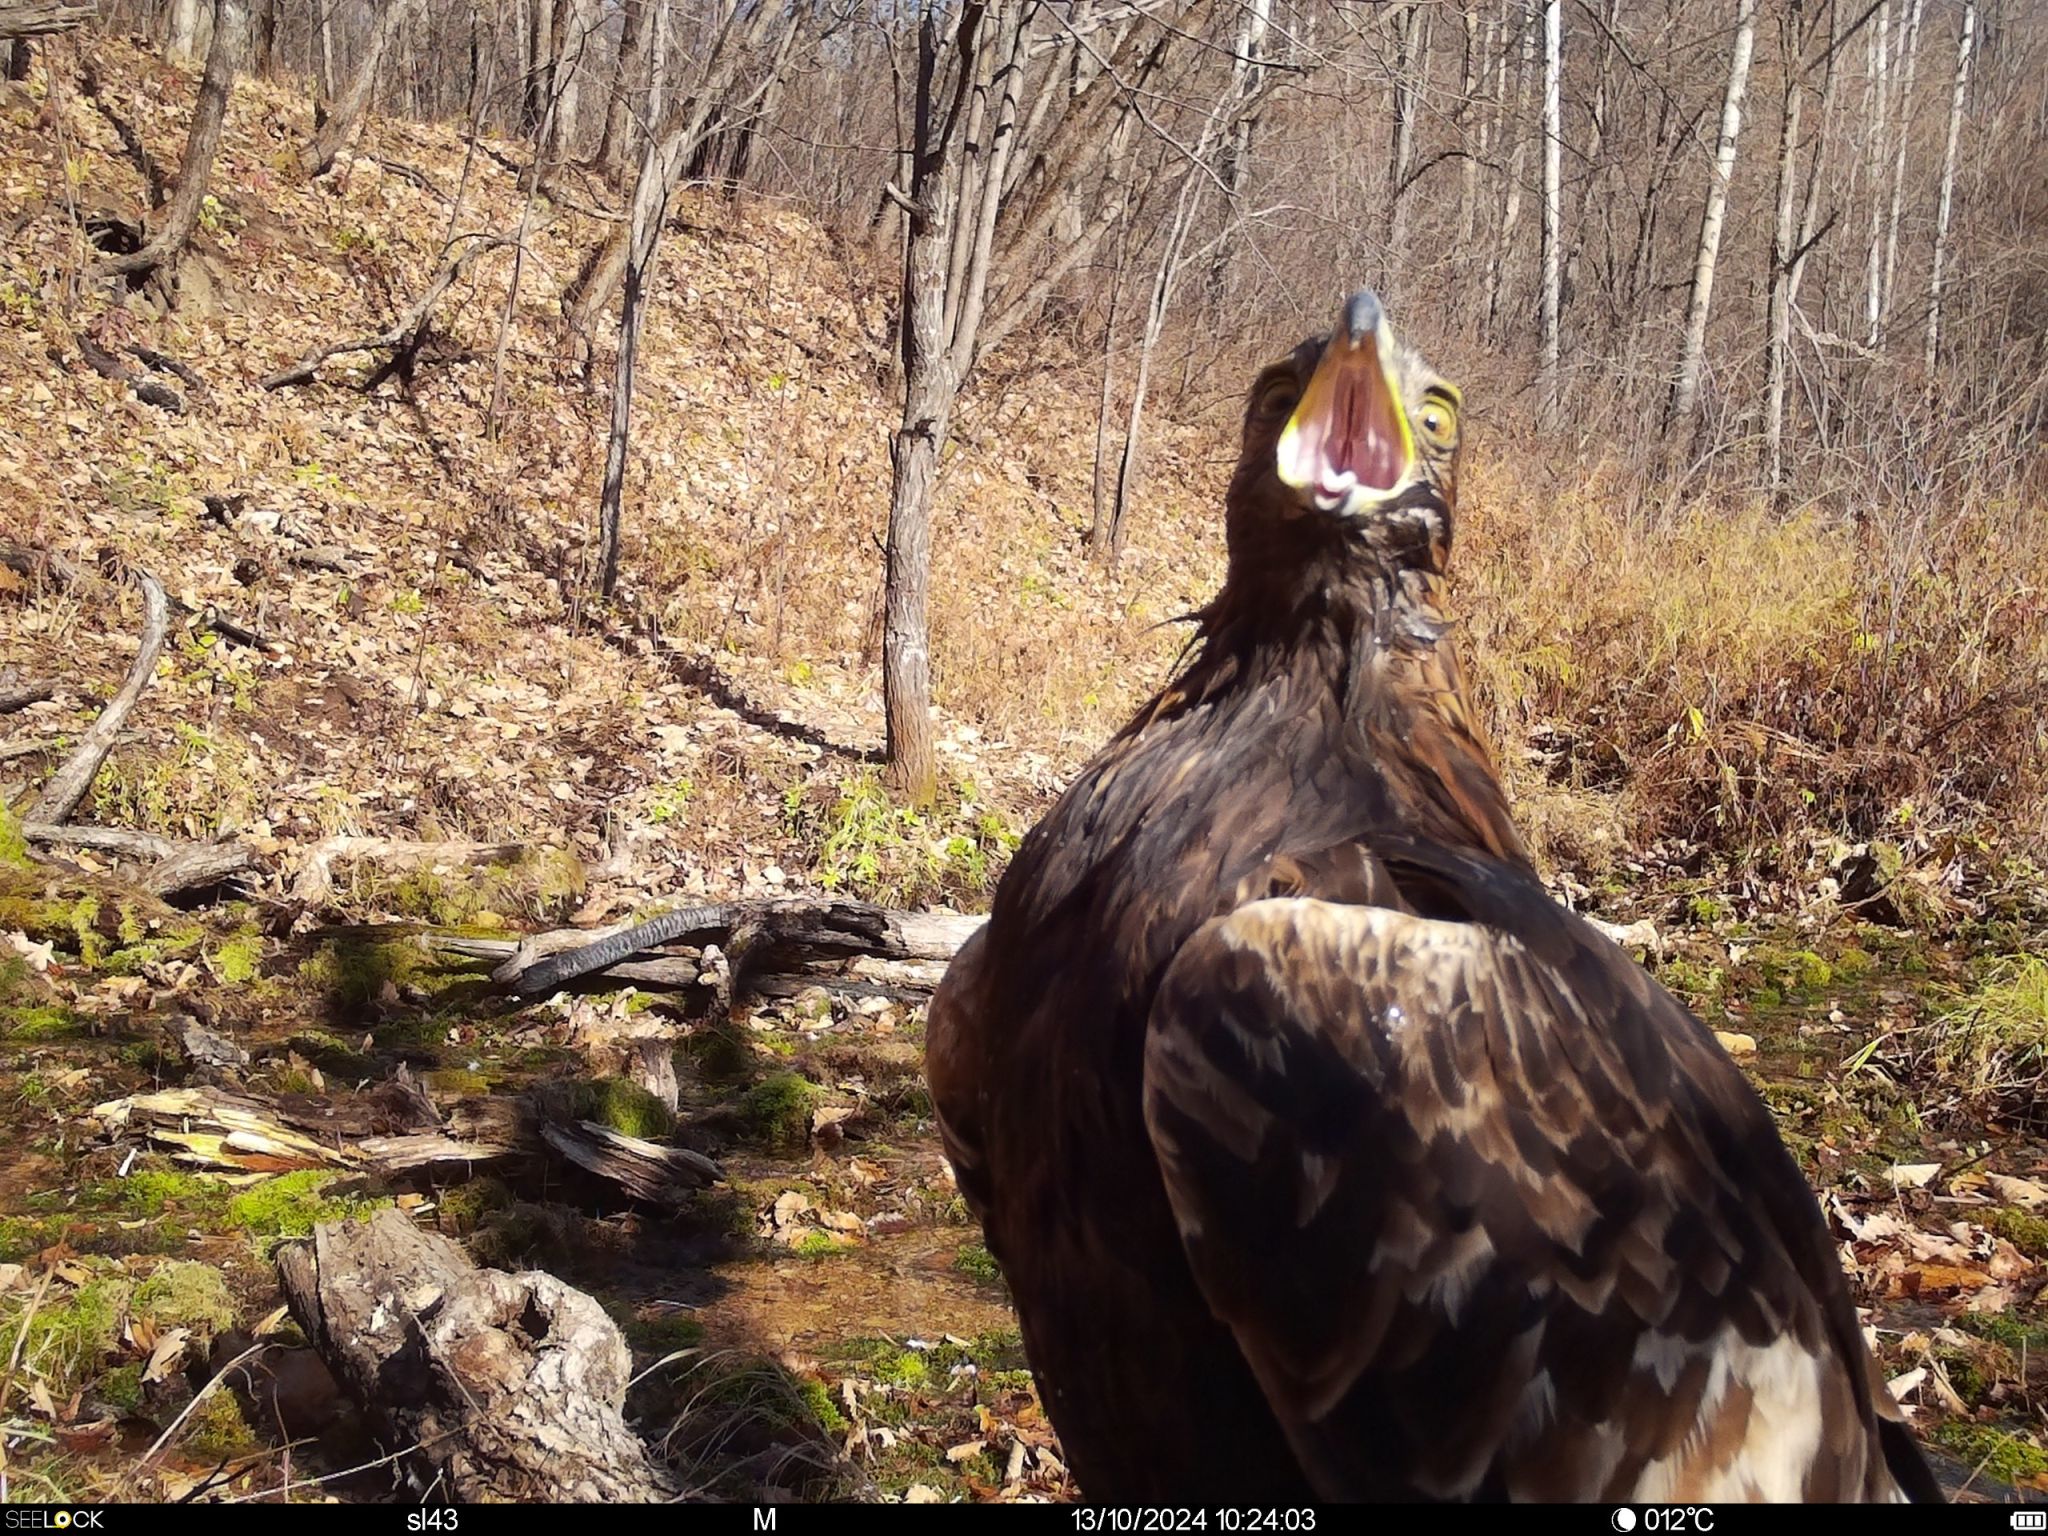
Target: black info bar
column 1076, row 1519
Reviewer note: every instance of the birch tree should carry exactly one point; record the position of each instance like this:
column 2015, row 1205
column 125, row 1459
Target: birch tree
column 1880, row 73
column 1964, row 46
column 1909, row 58
column 1553, row 194
column 1692, row 358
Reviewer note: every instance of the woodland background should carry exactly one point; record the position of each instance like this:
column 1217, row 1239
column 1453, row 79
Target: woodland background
column 595, row 454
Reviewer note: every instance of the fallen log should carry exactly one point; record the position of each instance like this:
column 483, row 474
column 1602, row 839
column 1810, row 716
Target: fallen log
column 756, row 938
column 500, row 1387
column 67, row 786
column 174, row 867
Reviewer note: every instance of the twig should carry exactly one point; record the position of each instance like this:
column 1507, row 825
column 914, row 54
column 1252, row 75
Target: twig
column 67, row 786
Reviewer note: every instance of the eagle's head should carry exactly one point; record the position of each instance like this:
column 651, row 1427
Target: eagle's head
column 1351, row 438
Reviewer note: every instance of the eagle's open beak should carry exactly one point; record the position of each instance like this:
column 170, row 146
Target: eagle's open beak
column 1349, row 432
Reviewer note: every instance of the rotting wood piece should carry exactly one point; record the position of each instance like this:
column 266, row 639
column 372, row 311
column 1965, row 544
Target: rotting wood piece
column 504, row 1387
column 646, row 1170
column 757, row 937
column 20, row 692
column 175, row 867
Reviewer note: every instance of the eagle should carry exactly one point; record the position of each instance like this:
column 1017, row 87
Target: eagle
column 1325, row 1155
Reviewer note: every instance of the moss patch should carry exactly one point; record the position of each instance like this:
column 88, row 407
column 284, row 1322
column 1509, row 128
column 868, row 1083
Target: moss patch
column 184, row 1294
column 2010, row 1455
column 68, row 1336
column 217, row 1428
column 624, row 1106
column 292, row 1204
column 777, row 1110
column 2024, row 1230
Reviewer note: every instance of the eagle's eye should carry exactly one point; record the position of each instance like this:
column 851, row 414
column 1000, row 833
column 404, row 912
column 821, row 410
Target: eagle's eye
column 1438, row 420
column 1278, row 398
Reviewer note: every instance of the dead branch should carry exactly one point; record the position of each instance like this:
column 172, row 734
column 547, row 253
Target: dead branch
column 40, row 18
column 317, row 158
column 19, row 693
column 108, row 366
column 38, row 565
column 759, row 939
column 402, row 339
column 115, row 840
column 67, row 786
column 196, row 866
column 510, row 1387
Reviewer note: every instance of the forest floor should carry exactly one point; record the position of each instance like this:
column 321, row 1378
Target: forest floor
column 825, row 1320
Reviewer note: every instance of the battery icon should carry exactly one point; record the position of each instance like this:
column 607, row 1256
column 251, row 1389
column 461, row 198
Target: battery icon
column 2030, row 1519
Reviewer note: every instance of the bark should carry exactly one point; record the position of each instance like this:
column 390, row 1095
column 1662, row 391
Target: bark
column 1692, row 359
column 40, row 18
column 20, row 692
column 1411, row 37
column 317, row 158
column 613, row 145
column 1909, row 52
column 1779, row 314
column 181, row 35
column 67, row 786
column 507, row 1388
column 1873, row 266
column 1514, row 122
column 1553, row 198
column 643, row 1170
column 1099, row 522
column 650, row 203
column 202, row 143
column 1965, row 46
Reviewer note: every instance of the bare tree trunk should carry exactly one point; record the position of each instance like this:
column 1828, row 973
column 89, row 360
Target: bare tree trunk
column 1777, row 358
column 1475, row 147
column 1411, row 37
column 202, row 143
column 1964, row 47
column 1873, row 266
column 1099, row 524
column 23, row 19
column 650, row 204
column 1909, row 58
column 1248, row 45
column 181, row 40
column 317, row 158
column 1692, row 360
column 1514, row 122
column 266, row 36
column 326, row 30
column 1553, row 195
column 573, row 20
column 611, row 148
column 539, row 94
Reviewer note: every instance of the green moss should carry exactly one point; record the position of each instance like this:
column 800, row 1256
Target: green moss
column 456, row 1082
column 67, row 1336
column 820, row 1245
column 2024, row 1230
column 13, row 846
column 216, row 1426
column 239, row 960
column 1768, row 997
column 2011, row 1456
column 1705, row 911
column 1698, row 984
column 2015, row 1333
column 352, row 972
column 463, row 1207
column 184, row 1294
column 121, row 1388
column 43, row 1022
column 898, row 1367
column 624, row 1106
column 21, row 1236
column 818, row 1400
column 1853, row 963
column 151, row 1192
column 292, row 1204
column 777, row 1110
column 975, row 1260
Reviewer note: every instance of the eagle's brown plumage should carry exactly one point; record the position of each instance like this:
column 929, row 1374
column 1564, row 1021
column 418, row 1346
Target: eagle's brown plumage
column 1324, row 1154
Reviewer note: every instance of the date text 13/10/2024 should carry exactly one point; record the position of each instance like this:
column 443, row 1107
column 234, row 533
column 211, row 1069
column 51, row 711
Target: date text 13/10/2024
column 1117, row 1520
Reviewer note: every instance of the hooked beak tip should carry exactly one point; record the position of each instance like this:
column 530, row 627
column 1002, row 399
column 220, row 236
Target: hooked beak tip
column 1362, row 316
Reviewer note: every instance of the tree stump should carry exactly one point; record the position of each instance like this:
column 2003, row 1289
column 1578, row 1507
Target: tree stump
column 502, row 1387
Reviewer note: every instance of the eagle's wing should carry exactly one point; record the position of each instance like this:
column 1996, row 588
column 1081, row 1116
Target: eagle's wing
column 1490, row 1214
